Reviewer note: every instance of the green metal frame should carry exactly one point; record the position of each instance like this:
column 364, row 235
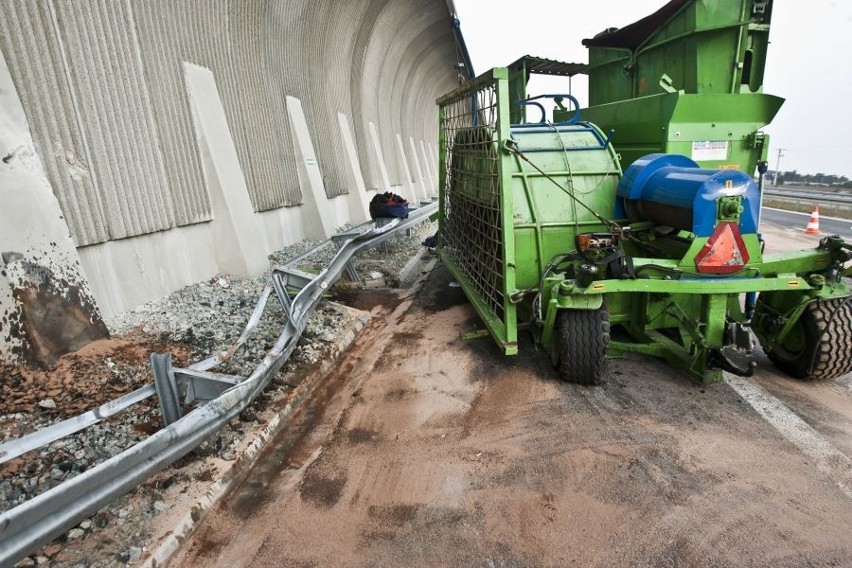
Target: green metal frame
column 503, row 329
column 698, row 309
column 501, row 221
column 711, row 46
column 671, row 122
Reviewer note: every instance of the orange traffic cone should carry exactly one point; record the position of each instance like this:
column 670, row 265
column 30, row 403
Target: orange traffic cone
column 813, row 222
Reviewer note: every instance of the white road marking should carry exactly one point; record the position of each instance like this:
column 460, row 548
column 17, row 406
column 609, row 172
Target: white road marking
column 828, row 459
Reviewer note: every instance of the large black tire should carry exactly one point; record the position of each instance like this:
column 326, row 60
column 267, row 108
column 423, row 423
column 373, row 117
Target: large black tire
column 583, row 338
column 820, row 344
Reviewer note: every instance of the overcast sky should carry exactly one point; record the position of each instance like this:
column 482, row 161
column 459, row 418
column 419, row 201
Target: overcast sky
column 809, row 62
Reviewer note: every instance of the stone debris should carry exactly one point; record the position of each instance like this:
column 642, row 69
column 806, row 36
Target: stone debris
column 52, row 550
column 134, row 554
column 386, row 261
column 191, row 323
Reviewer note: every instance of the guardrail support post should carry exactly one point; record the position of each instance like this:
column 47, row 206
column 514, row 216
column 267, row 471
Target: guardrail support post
column 167, row 388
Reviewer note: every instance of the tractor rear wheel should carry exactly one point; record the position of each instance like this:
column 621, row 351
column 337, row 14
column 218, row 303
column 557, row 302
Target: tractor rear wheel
column 583, row 338
column 820, row 344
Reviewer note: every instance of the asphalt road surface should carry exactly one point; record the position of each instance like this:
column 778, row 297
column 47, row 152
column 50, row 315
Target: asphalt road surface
column 798, row 221
column 426, row 450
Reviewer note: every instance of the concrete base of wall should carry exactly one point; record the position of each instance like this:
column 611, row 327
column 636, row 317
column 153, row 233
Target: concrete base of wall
column 164, row 262
column 127, row 273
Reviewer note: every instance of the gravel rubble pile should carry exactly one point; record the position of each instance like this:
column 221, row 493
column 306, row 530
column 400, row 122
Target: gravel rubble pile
column 191, row 323
column 381, row 263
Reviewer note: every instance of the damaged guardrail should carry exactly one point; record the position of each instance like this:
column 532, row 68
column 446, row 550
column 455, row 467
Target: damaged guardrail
column 37, row 521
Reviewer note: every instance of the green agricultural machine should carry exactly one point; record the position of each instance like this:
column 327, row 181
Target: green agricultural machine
column 632, row 225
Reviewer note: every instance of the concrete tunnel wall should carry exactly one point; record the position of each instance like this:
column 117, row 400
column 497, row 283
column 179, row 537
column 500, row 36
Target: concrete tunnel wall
column 173, row 140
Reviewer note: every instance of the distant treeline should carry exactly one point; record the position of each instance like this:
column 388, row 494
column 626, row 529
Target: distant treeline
column 822, row 180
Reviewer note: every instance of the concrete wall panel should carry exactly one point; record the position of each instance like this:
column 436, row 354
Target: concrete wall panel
column 31, row 47
column 232, row 40
column 330, row 48
column 393, row 52
column 102, row 59
column 161, row 48
column 102, row 85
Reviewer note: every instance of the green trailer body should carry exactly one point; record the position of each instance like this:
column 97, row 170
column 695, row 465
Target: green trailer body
column 514, row 200
column 706, row 47
column 687, row 79
column 716, row 130
column 630, row 226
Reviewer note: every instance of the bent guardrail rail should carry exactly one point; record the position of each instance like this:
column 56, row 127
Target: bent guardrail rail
column 37, row 521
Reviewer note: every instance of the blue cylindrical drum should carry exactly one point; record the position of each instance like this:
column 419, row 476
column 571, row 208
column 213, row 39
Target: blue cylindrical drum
column 672, row 190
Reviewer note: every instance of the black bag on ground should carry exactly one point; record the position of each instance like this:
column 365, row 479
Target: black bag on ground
column 384, row 205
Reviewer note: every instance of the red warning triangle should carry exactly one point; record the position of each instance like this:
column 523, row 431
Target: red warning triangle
column 724, row 253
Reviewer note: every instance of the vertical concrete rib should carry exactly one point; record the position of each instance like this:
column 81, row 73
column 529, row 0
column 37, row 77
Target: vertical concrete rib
column 159, row 53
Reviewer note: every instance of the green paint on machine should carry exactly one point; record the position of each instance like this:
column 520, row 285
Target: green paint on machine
column 542, row 230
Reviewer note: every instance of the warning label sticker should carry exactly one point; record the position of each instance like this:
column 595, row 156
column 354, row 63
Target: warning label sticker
column 709, row 150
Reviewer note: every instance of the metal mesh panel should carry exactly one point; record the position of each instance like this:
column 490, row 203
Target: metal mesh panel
column 472, row 218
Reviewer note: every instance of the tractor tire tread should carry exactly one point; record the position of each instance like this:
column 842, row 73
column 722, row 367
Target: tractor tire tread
column 828, row 325
column 583, row 339
column 834, row 351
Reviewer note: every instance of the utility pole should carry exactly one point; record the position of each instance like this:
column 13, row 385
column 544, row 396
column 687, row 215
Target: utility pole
column 777, row 166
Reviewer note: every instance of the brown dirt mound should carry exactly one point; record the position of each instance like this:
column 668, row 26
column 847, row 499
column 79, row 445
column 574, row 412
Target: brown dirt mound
column 99, row 372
